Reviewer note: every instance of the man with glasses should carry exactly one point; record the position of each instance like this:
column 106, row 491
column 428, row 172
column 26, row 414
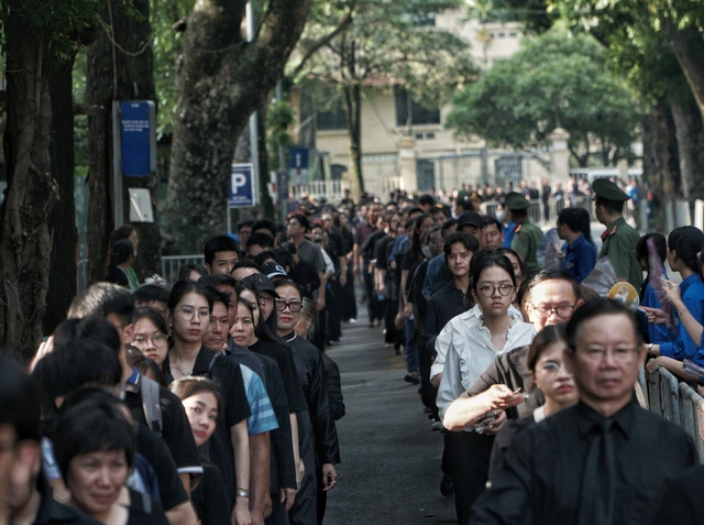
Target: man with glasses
column 551, row 298
column 605, row 460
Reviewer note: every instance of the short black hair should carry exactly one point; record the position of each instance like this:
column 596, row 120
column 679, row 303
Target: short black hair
column 19, row 400
column 181, row 288
column 121, row 251
column 261, row 257
column 245, row 263
column 260, row 239
column 485, row 259
column 614, row 206
column 596, row 308
column 246, row 222
column 150, row 293
column 571, row 217
column 550, row 275
column 217, row 279
column 642, row 249
column 185, row 271
column 491, row 221
column 93, row 424
column 147, row 312
column 413, row 210
column 219, row 243
column 302, row 220
column 74, row 364
column 265, row 224
column 427, row 199
column 219, row 297
column 467, row 240
column 465, row 204
column 90, row 327
column 103, row 299
column 448, row 224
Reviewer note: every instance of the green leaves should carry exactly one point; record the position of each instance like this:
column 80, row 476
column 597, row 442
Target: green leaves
column 557, row 80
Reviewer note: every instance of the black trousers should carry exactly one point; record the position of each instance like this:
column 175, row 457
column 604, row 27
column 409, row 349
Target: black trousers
column 305, row 508
column 349, row 301
column 278, row 515
column 468, row 460
column 427, row 390
column 334, row 306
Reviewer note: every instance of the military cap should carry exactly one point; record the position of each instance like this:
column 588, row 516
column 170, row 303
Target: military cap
column 515, row 201
column 608, row 190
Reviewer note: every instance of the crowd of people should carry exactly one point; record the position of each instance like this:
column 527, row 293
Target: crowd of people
column 214, row 401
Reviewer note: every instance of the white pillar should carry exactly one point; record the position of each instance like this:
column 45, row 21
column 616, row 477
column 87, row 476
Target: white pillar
column 560, row 156
column 407, row 165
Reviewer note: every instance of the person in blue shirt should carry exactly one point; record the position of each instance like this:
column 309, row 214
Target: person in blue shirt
column 684, row 244
column 580, row 255
column 653, row 333
column 508, row 226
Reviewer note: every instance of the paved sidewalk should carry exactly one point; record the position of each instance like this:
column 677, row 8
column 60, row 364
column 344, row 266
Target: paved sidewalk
column 391, row 459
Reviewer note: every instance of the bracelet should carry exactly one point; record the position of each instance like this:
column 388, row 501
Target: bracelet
column 648, row 348
column 240, row 493
column 681, row 312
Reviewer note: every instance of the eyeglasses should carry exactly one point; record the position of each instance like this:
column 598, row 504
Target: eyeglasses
column 622, row 355
column 188, row 313
column 157, row 339
column 294, row 306
column 562, row 310
column 503, row 289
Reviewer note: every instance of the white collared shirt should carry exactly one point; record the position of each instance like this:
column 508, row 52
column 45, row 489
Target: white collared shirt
column 471, row 352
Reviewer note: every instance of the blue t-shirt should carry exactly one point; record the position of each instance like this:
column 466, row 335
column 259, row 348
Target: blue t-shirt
column 580, row 258
column 684, row 347
column 508, row 232
column 657, row 333
column 263, row 418
column 432, row 271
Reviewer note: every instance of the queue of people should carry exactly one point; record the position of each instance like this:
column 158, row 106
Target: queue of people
column 214, row 400
column 204, row 402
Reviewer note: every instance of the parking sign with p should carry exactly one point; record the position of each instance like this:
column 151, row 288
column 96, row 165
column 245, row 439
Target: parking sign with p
column 241, row 193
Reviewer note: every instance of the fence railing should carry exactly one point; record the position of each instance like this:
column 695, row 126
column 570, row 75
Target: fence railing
column 677, row 402
column 330, row 189
column 171, row 264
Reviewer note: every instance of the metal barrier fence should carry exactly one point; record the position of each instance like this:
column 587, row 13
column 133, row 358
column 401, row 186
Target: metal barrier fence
column 171, row 264
column 677, row 402
column 330, row 189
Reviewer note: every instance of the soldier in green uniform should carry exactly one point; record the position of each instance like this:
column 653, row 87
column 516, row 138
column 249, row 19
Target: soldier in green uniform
column 619, row 239
column 526, row 234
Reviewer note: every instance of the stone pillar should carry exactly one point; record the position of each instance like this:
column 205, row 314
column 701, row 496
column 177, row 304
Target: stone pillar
column 407, row 165
column 560, row 157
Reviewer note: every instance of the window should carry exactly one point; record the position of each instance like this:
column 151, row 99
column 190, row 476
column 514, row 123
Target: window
column 430, row 135
column 512, row 35
column 406, row 107
column 418, row 136
column 331, row 120
column 501, row 35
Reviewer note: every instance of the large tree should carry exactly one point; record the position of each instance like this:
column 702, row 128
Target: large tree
column 40, row 41
column 222, row 78
column 355, row 43
column 556, row 80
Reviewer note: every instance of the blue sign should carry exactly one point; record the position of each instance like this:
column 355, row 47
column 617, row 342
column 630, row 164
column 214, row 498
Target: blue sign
column 299, row 159
column 138, row 123
column 242, row 187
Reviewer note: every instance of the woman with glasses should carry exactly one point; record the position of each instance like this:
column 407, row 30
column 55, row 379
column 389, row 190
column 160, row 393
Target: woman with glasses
column 550, row 376
column 470, row 351
column 189, row 310
column 150, row 335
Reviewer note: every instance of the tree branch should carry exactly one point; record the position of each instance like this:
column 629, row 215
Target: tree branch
column 324, row 41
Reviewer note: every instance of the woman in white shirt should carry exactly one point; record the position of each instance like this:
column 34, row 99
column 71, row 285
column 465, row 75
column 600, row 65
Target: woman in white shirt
column 471, row 349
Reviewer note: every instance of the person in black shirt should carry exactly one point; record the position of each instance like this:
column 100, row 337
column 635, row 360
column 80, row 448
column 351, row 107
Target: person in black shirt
column 203, row 402
column 24, row 495
column 605, row 460
column 320, row 424
column 95, row 450
column 117, row 305
column 190, row 307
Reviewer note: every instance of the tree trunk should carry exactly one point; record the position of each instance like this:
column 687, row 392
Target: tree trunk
column 661, row 161
column 688, row 129
column 688, row 47
column 353, row 113
column 62, row 272
column 221, row 80
column 266, row 201
column 25, row 240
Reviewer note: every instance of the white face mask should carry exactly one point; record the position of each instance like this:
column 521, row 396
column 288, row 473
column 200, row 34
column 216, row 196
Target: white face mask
column 427, row 252
column 501, row 215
